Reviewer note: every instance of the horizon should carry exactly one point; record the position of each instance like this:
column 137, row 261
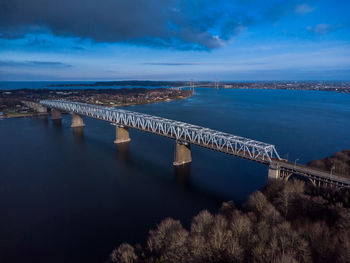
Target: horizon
column 169, row 80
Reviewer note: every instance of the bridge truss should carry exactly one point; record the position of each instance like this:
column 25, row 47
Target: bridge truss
column 180, row 131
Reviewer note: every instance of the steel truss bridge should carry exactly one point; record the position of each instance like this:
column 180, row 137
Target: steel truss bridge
column 192, row 134
column 215, row 140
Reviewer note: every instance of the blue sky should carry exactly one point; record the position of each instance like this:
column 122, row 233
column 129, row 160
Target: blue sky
column 174, row 40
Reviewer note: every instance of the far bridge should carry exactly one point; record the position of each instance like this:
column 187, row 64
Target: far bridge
column 186, row 134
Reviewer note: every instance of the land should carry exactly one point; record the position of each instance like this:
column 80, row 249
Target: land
column 124, row 83
column 283, row 222
column 139, row 92
column 11, row 105
column 336, row 86
column 286, row 221
column 339, row 163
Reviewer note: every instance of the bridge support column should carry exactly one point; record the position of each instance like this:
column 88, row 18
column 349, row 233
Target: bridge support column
column 77, row 121
column 56, row 114
column 274, row 171
column 182, row 153
column 41, row 109
column 121, row 134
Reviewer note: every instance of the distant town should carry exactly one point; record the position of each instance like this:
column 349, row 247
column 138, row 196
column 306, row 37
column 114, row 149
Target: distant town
column 338, row 86
column 11, row 101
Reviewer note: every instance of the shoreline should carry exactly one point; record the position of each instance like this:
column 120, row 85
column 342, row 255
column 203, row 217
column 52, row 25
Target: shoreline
column 36, row 114
column 23, row 115
column 336, row 86
column 257, row 88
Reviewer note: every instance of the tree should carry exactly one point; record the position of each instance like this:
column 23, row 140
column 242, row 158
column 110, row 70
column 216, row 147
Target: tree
column 168, row 241
column 125, row 253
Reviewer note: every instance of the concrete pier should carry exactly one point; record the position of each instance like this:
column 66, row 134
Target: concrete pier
column 274, row 171
column 56, row 114
column 182, row 153
column 35, row 106
column 77, row 121
column 121, row 134
column 41, row 109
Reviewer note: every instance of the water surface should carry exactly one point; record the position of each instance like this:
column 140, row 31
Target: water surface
column 72, row 196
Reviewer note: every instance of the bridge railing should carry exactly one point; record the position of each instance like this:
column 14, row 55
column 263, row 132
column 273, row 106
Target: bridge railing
column 205, row 137
column 313, row 172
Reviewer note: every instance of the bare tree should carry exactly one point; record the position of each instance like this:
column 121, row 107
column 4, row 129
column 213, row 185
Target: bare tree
column 169, row 241
column 125, row 253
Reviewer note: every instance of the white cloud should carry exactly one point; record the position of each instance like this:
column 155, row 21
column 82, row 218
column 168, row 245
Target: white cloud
column 303, row 9
column 322, row 29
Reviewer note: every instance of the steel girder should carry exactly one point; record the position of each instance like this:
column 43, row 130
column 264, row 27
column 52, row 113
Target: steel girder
column 219, row 141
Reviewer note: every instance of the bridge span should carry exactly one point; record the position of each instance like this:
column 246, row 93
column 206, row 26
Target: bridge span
column 186, row 134
column 183, row 133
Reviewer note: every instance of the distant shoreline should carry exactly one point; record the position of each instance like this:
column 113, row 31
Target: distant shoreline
column 11, row 105
column 127, row 83
column 337, row 86
column 334, row 86
column 22, row 115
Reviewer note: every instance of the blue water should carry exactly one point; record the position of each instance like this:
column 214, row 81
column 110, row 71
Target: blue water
column 73, row 196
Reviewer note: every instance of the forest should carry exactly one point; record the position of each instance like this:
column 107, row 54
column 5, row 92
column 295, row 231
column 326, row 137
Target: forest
column 339, row 163
column 283, row 222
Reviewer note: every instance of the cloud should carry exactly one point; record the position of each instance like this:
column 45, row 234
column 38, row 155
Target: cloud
column 174, row 24
column 172, row 63
column 199, row 63
column 49, row 64
column 322, row 29
column 35, row 64
column 303, row 9
column 35, row 41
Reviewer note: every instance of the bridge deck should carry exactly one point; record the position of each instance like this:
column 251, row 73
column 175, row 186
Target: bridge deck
column 204, row 137
column 313, row 173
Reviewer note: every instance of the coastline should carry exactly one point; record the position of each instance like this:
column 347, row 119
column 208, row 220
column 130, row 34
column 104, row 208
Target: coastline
column 117, row 105
column 22, row 115
column 335, row 86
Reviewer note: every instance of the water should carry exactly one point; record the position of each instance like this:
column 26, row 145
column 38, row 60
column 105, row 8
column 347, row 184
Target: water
column 73, row 196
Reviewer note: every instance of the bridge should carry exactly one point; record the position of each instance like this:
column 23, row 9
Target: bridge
column 186, row 134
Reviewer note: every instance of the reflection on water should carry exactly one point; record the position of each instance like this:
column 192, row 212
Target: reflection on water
column 78, row 133
column 123, row 151
column 42, row 119
column 57, row 123
column 182, row 174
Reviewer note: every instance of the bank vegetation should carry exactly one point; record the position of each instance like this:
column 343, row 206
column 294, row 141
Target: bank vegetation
column 284, row 222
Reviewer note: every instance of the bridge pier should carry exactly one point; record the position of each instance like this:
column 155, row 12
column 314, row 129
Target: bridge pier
column 274, row 171
column 35, row 106
column 77, row 121
column 41, row 109
column 56, row 114
column 121, row 134
column 182, row 153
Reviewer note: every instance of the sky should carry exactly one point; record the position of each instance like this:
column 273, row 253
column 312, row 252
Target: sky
column 228, row 40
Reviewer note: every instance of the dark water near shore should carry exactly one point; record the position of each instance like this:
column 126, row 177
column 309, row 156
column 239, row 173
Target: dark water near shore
column 72, row 196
